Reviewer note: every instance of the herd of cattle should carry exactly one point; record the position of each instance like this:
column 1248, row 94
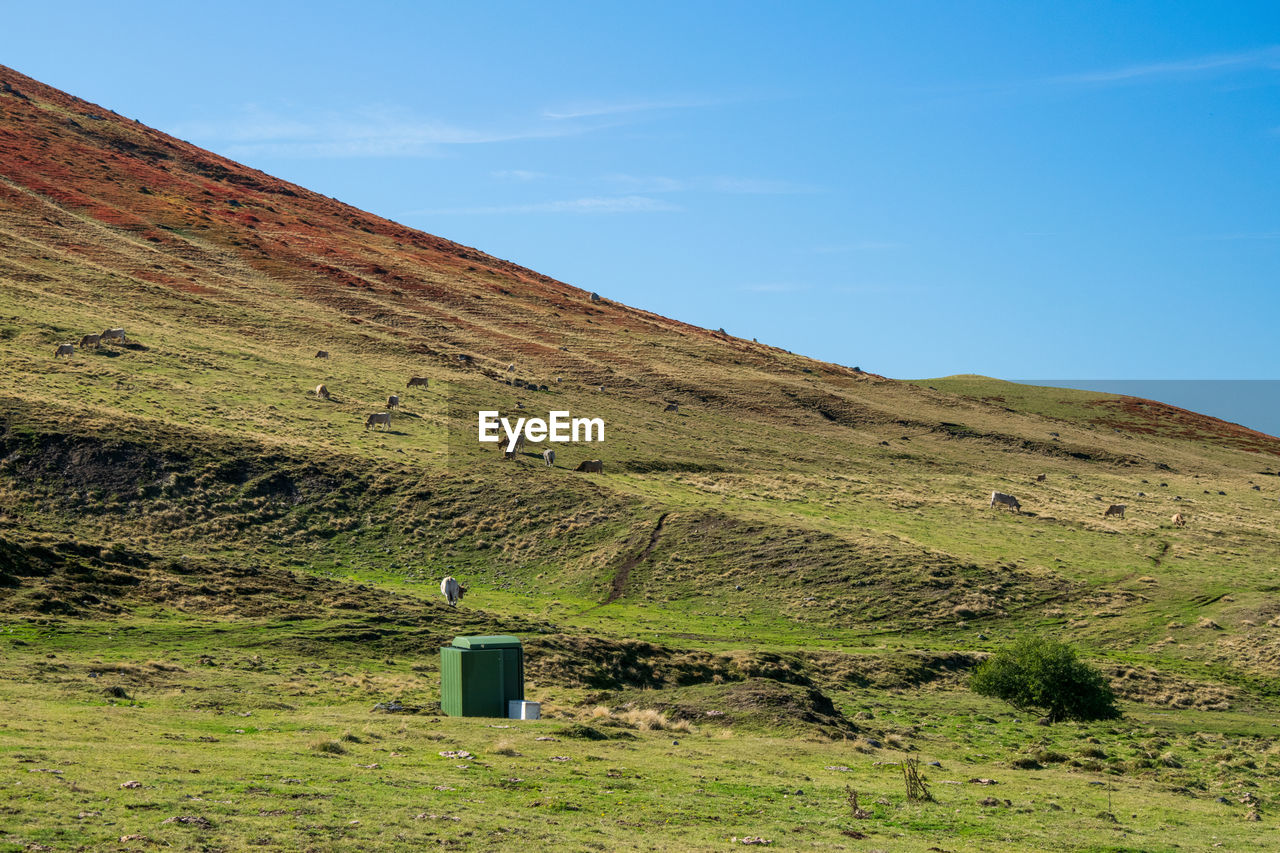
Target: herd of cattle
column 321, row 392
column 1001, row 499
column 591, row 466
column 91, row 342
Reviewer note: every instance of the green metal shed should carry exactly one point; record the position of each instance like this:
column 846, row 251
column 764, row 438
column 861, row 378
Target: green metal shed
column 479, row 675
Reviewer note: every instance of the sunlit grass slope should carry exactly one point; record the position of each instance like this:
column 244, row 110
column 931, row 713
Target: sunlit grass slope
column 804, row 547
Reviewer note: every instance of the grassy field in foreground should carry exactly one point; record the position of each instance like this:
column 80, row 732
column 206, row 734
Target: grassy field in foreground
column 255, row 746
column 209, row 575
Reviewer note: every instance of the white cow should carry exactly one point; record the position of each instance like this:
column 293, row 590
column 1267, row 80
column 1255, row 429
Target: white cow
column 1006, row 500
column 452, row 591
column 549, row 456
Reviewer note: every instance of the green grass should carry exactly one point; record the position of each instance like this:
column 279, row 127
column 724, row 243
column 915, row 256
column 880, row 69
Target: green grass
column 182, row 517
column 276, row 750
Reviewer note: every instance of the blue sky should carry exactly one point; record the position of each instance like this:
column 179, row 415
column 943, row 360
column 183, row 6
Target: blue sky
column 920, row 189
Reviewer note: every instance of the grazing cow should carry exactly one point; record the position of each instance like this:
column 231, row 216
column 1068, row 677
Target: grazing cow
column 549, row 457
column 511, row 454
column 415, row 381
column 90, row 341
column 1115, row 509
column 591, row 466
column 322, row 392
column 1178, row 520
column 595, row 297
column 64, row 349
column 1005, row 500
column 671, row 407
column 1040, row 478
column 383, row 418
column 393, row 402
column 321, row 353
column 452, row 591
column 113, row 335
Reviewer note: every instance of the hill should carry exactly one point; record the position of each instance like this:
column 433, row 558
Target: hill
column 801, row 550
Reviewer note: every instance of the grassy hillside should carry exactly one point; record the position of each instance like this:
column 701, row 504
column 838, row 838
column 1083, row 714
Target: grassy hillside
column 797, row 568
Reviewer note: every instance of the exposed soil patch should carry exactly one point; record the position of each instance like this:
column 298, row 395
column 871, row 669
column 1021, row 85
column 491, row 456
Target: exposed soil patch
column 79, row 462
column 623, row 574
column 611, row 664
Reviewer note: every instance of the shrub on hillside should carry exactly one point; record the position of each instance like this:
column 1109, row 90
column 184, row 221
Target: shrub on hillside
column 1041, row 674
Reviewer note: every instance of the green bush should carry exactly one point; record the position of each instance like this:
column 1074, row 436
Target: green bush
column 1037, row 673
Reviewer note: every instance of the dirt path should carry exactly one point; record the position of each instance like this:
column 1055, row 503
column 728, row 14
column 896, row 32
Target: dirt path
column 623, row 574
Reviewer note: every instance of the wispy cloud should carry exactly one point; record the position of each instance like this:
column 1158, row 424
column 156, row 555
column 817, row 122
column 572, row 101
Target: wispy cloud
column 374, row 132
column 614, row 108
column 713, row 184
column 590, row 205
column 1267, row 57
column 390, row 131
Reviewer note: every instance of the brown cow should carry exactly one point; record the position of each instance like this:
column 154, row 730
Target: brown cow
column 1178, row 520
column 90, row 341
column 64, row 349
column 322, row 392
column 1115, row 509
column 416, row 381
column 591, row 466
column 511, row 454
